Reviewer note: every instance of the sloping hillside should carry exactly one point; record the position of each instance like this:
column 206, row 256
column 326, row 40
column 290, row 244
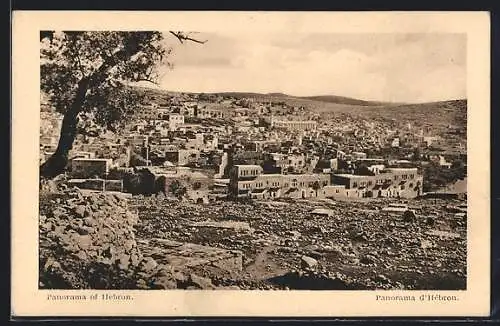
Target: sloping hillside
column 345, row 100
column 303, row 100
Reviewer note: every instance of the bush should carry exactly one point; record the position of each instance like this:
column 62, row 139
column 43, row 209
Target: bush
column 177, row 189
column 436, row 177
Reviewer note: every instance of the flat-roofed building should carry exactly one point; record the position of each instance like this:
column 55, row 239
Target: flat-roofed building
column 210, row 112
column 390, row 182
column 175, row 120
column 249, row 181
column 294, row 125
column 90, row 167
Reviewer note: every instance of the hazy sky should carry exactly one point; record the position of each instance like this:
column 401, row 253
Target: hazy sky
column 386, row 67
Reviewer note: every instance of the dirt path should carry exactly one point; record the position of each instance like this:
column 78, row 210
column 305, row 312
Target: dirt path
column 263, row 266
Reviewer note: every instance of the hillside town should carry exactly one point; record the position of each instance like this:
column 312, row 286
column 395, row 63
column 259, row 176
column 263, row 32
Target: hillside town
column 216, row 147
column 260, row 173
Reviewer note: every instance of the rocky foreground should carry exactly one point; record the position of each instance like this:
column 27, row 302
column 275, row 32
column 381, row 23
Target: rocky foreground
column 87, row 241
column 108, row 241
column 285, row 246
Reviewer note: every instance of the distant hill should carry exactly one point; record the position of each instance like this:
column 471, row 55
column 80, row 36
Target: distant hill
column 452, row 112
column 448, row 118
column 278, row 95
column 346, row 100
column 320, row 98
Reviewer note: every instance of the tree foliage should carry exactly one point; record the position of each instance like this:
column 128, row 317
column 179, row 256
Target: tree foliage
column 87, row 76
column 436, row 177
column 177, row 189
column 99, row 65
column 362, row 169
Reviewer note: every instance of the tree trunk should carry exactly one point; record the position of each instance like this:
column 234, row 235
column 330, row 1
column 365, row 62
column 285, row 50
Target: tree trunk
column 56, row 164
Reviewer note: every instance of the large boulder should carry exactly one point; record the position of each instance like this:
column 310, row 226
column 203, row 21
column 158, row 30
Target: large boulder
column 307, row 262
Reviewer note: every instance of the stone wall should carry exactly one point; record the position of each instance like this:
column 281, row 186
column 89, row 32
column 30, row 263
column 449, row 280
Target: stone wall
column 87, row 241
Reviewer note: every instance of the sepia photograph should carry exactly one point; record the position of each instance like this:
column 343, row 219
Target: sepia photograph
column 279, row 161
column 189, row 160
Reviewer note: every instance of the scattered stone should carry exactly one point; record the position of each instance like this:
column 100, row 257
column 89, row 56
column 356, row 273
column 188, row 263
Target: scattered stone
column 81, row 255
column 84, row 230
column 149, row 264
column 237, row 226
column 80, row 211
column 367, row 260
column 124, row 261
column 308, row 262
column 89, row 221
column 293, row 234
column 315, row 254
column 381, row 278
column 201, row 282
column 164, row 283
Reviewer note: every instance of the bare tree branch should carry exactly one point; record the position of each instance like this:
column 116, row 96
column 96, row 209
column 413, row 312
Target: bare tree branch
column 185, row 37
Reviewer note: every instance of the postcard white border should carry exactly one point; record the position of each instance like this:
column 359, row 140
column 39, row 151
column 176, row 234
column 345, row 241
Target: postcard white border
column 28, row 300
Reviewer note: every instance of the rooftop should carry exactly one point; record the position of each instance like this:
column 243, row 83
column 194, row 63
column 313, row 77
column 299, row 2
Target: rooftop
column 93, row 159
column 402, row 169
column 347, row 175
column 322, row 211
column 248, row 166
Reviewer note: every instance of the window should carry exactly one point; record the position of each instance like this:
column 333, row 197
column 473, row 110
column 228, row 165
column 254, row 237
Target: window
column 354, row 184
column 370, row 183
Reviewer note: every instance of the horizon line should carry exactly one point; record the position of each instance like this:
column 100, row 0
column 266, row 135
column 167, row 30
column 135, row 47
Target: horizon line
column 271, row 93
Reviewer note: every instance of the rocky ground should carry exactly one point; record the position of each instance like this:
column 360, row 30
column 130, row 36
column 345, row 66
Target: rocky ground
column 285, row 246
column 87, row 241
column 105, row 241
